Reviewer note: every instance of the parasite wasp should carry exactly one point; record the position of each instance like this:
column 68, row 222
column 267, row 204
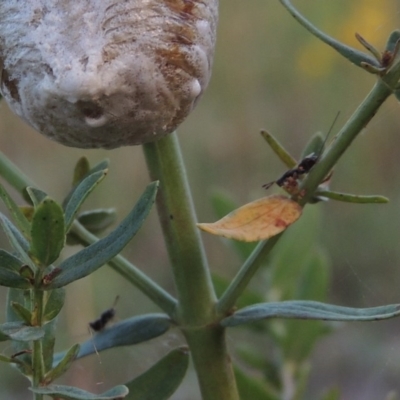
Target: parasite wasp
column 289, row 180
column 105, row 317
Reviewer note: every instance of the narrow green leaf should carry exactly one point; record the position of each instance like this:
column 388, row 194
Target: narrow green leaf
column 101, row 166
column 279, row 150
column 6, row 359
column 303, row 309
column 21, row 332
column 72, row 393
column 9, row 278
column 36, row 195
column 97, row 220
column 22, row 297
column 352, row 198
column 53, row 303
column 9, row 261
column 162, row 379
column 392, row 41
column 47, row 232
column 81, row 170
column 19, row 347
column 48, row 343
column 353, row 55
column 22, row 312
column 125, row 333
column 80, row 193
column 13, row 272
column 315, row 145
column 17, row 241
column 19, row 218
column 96, row 255
column 252, row 388
column 372, row 69
column 62, row 366
column 372, row 49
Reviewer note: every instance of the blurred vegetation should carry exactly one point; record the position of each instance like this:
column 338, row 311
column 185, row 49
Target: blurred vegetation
column 268, row 73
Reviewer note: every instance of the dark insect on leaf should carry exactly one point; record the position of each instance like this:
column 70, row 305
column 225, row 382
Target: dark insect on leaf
column 105, row 317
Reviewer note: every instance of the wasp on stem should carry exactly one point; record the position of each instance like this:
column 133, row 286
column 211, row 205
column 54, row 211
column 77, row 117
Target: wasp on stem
column 289, row 180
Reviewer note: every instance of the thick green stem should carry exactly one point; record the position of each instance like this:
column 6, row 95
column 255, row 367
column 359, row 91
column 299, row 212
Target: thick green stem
column 212, row 363
column 196, row 312
column 195, row 291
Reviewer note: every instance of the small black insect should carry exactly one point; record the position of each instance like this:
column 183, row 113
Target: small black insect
column 105, row 317
column 289, row 178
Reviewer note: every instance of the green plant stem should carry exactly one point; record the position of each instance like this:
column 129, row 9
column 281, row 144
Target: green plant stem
column 13, row 175
column 38, row 369
column 195, row 291
column 213, row 363
column 245, row 274
column 196, row 312
column 120, row 264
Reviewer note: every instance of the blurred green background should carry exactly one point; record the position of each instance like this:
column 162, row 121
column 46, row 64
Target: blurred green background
column 268, row 73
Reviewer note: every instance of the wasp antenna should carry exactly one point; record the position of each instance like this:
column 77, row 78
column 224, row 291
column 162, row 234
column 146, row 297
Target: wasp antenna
column 329, row 131
column 268, row 185
column 116, row 301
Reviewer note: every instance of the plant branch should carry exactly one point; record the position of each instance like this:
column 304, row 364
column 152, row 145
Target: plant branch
column 131, row 273
column 245, row 274
column 357, row 122
column 195, row 291
column 383, row 88
column 355, row 56
column 16, row 178
column 13, row 175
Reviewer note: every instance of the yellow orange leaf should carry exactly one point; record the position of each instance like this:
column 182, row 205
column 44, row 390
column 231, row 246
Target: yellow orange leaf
column 258, row 220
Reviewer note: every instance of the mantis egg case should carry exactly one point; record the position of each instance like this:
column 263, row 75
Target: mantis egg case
column 105, row 73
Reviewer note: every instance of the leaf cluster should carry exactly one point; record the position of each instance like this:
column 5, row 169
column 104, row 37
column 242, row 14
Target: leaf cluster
column 36, row 276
